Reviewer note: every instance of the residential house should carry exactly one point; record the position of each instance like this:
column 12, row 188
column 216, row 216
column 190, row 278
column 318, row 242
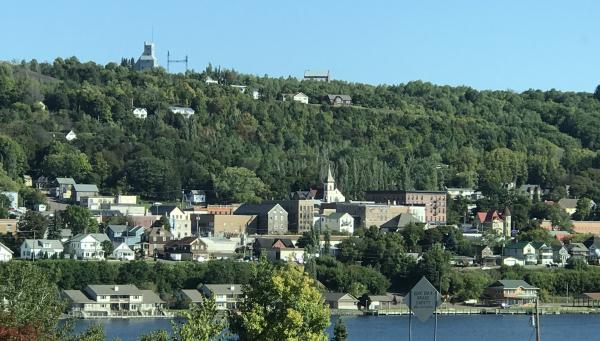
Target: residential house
column 434, row 202
column 570, row 205
column 27, row 181
column 340, row 301
column 219, row 247
column 183, row 111
column 278, row 249
column 71, row 136
column 8, row 226
column 63, row 187
column 560, row 254
column 186, row 248
column 41, row 248
column 42, row 182
column 578, row 250
column 241, row 88
column 6, row 254
column 80, row 191
column 534, row 192
column 181, row 226
column 485, row 256
column 97, row 202
column 510, row 292
column 255, row 94
column 113, row 301
column 123, row 252
column 115, row 232
column 191, row 296
column 399, row 222
column 495, row 221
column 227, row 296
column 140, row 113
column 381, row 302
column 65, row 235
column 271, row 217
column 297, row 97
column 154, row 240
column 338, row 222
column 13, row 198
column 339, row 100
column 468, row 193
column 314, row 75
column 195, row 197
column 544, row 253
column 222, row 225
column 209, row 80
column 524, row 252
column 147, row 61
column 88, row 246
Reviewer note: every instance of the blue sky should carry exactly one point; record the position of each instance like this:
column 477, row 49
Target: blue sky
column 509, row 44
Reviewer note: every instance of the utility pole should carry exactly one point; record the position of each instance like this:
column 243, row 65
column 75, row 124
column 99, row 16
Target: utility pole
column 410, row 317
column 537, row 321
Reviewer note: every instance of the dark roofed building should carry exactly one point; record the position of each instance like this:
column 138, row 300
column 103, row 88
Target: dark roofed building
column 162, row 210
column 186, row 248
column 271, row 217
column 399, row 222
column 434, row 201
column 312, row 75
column 339, row 100
column 340, row 300
column 510, row 292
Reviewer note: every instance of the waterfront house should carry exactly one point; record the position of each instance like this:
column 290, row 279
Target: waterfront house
column 79, row 191
column 560, row 254
column 88, row 246
column 578, row 250
column 6, row 254
column 587, row 299
column 113, row 301
column 509, row 292
column 524, row 252
column 123, row 252
column 378, row 302
column 190, row 296
column 187, row 248
column 41, row 248
column 227, row 296
column 340, row 300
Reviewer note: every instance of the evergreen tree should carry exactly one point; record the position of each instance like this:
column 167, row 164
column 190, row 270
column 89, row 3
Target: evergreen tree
column 339, row 331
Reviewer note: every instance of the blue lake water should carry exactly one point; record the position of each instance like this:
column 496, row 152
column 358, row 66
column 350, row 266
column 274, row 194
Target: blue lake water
column 450, row 328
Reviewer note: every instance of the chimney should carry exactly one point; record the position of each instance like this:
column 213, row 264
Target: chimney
column 116, row 288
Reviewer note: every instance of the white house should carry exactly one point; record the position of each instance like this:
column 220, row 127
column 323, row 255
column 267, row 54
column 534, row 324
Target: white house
column 6, row 254
column 185, row 112
column 71, row 136
column 255, row 94
column 88, row 246
column 41, row 248
column 181, row 225
column 123, row 252
column 339, row 222
column 209, row 80
column 241, row 88
column 298, row 97
column 140, row 113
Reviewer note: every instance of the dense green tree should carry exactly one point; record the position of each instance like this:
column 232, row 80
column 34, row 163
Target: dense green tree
column 33, row 224
column 583, row 209
column 239, row 184
column 107, row 247
column 202, row 323
column 78, row 219
column 280, row 302
column 340, row 333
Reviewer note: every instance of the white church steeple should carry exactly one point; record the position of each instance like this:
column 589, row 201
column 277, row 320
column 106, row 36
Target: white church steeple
column 331, row 193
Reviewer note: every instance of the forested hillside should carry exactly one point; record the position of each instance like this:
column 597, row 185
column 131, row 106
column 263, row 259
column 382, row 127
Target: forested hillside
column 411, row 136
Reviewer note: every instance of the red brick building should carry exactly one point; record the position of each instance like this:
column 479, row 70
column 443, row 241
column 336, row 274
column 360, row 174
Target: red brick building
column 434, row 201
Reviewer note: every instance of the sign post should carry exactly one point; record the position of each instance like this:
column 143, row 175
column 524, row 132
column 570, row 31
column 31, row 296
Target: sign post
column 423, row 299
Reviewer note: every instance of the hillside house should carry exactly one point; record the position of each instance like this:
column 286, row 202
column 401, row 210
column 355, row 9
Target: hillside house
column 41, row 248
column 88, row 246
column 6, row 254
column 183, row 111
column 123, row 252
column 297, row 97
column 524, row 252
column 339, row 100
column 181, row 226
column 154, row 240
column 63, row 187
column 560, row 254
column 187, row 248
column 495, row 221
column 80, row 191
column 140, row 113
column 578, row 250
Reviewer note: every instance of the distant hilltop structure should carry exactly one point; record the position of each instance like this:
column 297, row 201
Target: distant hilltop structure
column 311, row 75
column 147, row 60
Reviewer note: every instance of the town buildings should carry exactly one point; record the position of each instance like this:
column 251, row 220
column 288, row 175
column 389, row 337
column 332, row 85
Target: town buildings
column 223, row 225
column 434, row 202
column 113, row 301
column 301, row 214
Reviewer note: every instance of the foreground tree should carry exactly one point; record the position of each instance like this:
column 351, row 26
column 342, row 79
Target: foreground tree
column 79, row 220
column 202, row 323
column 34, row 223
column 282, row 303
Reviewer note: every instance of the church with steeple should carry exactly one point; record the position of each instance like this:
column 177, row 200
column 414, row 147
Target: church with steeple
column 330, row 192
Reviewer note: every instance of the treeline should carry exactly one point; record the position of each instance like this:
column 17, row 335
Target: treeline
column 414, row 135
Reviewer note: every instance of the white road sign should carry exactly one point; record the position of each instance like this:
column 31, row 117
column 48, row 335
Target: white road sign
column 422, row 299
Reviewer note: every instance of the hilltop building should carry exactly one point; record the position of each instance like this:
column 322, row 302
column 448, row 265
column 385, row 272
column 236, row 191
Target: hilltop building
column 147, row 60
column 310, row 75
